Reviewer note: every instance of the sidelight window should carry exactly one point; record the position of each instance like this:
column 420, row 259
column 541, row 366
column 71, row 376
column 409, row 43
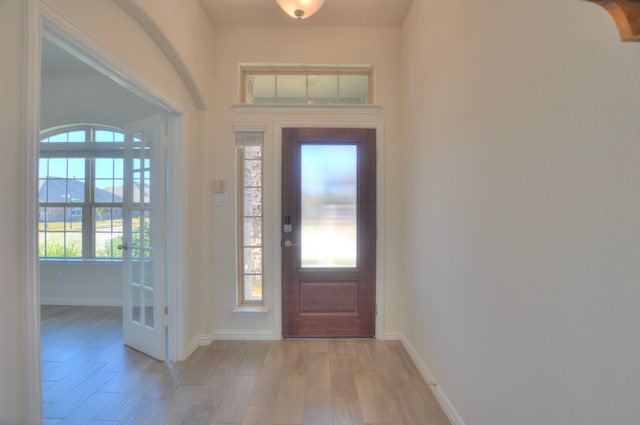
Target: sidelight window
column 250, row 217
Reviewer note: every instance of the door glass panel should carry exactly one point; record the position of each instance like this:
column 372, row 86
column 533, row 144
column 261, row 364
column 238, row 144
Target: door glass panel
column 329, row 190
column 135, row 303
column 148, row 274
column 145, row 234
column 148, row 307
column 135, row 272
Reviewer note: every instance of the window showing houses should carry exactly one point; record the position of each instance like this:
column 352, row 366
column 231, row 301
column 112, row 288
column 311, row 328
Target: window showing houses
column 81, row 180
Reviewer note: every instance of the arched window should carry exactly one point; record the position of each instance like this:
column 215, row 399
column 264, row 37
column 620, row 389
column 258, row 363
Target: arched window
column 81, row 178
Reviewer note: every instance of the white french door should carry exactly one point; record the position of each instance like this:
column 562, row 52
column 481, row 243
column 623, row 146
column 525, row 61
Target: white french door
column 143, row 238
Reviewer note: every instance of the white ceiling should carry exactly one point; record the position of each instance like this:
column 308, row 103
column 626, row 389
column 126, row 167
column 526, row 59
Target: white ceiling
column 262, row 12
column 334, row 12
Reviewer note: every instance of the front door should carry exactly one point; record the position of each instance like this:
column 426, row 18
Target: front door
column 143, row 239
column 328, row 232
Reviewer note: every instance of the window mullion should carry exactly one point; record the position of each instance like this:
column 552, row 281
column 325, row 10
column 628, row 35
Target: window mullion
column 87, row 222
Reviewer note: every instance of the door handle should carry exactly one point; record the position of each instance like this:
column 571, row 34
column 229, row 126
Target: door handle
column 289, row 244
column 123, row 246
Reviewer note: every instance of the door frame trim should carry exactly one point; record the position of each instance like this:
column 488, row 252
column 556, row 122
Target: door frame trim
column 40, row 19
column 276, row 212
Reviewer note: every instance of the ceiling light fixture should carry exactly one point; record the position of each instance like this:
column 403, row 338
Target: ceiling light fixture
column 300, row 9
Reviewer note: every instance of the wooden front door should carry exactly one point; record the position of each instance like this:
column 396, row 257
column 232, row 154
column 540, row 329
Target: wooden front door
column 328, row 232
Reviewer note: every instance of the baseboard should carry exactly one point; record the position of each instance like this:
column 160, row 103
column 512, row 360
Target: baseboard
column 193, row 346
column 92, row 302
column 442, row 398
column 254, row 335
column 222, row 335
column 393, row 335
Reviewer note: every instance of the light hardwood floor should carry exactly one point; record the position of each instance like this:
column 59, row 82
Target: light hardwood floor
column 89, row 377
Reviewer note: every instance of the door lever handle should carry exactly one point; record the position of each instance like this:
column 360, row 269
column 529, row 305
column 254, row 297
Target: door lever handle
column 289, row 244
column 123, row 246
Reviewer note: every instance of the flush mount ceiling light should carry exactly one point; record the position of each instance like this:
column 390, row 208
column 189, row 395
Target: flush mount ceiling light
column 300, row 9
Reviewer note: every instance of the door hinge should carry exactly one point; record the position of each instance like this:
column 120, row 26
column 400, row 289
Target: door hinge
column 165, row 316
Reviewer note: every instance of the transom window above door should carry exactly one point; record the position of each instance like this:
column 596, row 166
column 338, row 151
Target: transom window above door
column 306, row 85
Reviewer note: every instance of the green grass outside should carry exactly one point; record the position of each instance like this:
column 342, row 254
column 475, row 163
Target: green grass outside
column 59, row 226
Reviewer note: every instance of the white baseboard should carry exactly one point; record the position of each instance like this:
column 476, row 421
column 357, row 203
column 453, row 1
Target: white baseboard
column 222, row 335
column 192, row 346
column 93, row 302
column 442, row 398
column 393, row 335
column 266, row 335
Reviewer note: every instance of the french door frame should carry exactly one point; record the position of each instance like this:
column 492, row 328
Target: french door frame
column 41, row 20
column 275, row 222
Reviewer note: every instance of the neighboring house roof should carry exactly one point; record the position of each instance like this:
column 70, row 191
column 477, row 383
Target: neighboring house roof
column 118, row 191
column 56, row 189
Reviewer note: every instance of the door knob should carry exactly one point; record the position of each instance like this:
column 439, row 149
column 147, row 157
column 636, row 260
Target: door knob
column 123, row 246
column 289, row 244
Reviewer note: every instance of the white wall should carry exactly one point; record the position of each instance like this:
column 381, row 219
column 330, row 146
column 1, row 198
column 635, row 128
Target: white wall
column 12, row 369
column 82, row 283
column 378, row 46
column 524, row 215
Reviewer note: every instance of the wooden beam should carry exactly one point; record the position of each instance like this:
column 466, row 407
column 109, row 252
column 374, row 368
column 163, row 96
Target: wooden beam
column 626, row 14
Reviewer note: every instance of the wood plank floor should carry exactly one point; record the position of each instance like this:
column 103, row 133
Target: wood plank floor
column 89, row 377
